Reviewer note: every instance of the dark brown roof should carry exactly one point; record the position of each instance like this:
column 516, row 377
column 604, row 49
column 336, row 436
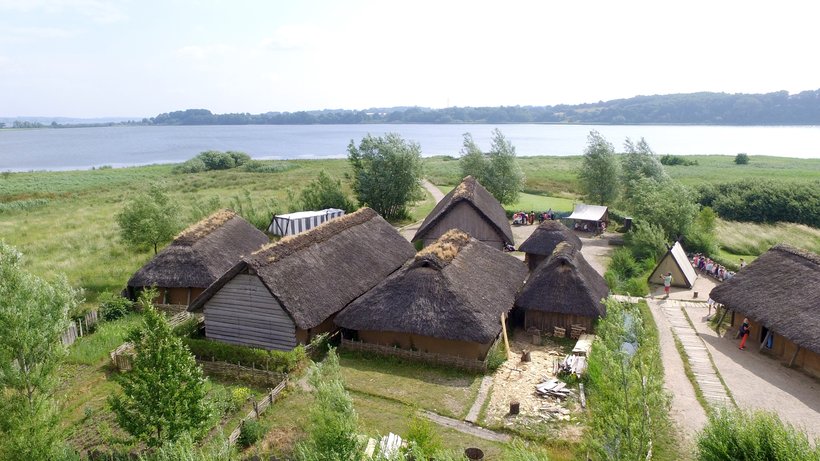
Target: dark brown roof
column 200, row 254
column 316, row 273
column 472, row 192
column 547, row 236
column 566, row 284
column 454, row 289
column 781, row 290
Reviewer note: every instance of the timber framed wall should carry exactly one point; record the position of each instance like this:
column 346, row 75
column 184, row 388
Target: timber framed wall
column 782, row 349
column 547, row 321
column 465, row 217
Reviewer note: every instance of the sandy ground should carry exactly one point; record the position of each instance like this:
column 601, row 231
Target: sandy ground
column 757, row 381
column 516, row 380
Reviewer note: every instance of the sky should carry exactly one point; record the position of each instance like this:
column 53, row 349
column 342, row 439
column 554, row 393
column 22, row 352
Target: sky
column 139, row 58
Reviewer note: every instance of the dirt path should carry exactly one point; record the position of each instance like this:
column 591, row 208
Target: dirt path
column 466, row 428
column 409, row 231
column 597, row 251
column 760, row 382
column 472, row 415
column 433, row 190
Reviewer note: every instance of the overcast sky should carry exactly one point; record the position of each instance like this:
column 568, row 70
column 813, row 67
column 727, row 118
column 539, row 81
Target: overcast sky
column 138, row 58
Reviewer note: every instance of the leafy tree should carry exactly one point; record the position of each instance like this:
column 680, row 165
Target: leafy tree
column 163, row 396
column 33, row 316
column 646, row 240
column 332, row 430
column 742, row 159
column 701, row 238
column 498, row 171
column 639, row 161
column 600, row 170
column 473, row 162
column 325, row 192
column 149, row 219
column 667, row 204
column 386, row 173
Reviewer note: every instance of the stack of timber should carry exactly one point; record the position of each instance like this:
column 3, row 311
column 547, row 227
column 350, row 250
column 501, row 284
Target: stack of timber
column 577, row 331
column 573, row 364
column 559, row 332
column 584, row 345
column 552, row 388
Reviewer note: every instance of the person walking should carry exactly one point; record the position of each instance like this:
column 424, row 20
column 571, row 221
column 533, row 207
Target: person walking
column 667, row 282
column 744, row 333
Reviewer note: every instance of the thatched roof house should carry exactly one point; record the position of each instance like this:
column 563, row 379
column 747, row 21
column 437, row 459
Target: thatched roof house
column 197, row 257
column 540, row 245
column 676, row 262
column 780, row 294
column 470, row 208
column 448, row 299
column 563, row 291
column 289, row 291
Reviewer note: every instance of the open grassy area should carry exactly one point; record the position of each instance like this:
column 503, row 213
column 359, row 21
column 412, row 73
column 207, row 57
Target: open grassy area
column 751, row 239
column 91, row 349
column 722, row 168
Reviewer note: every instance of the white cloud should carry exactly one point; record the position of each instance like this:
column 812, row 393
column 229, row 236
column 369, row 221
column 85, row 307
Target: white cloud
column 96, row 10
column 28, row 34
column 292, row 36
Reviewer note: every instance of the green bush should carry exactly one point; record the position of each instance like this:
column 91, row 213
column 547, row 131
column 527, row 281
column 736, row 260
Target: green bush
column 612, row 279
column 213, row 160
column 252, row 431
column 764, row 201
column 646, row 241
column 636, row 286
column 623, row 263
column 239, row 395
column 113, row 306
column 194, row 165
column 672, row 160
column 325, row 192
column 423, row 438
column 277, row 361
column 742, row 159
column 742, row 436
column 188, row 327
column 268, row 166
column 496, row 356
column 239, row 158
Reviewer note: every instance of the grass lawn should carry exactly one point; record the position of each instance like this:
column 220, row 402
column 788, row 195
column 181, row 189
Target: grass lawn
column 444, row 391
column 89, row 350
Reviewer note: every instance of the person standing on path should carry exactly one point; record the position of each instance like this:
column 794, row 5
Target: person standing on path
column 744, row 333
column 667, row 282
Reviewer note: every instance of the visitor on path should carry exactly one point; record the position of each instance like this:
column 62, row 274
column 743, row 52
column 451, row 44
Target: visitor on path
column 744, row 333
column 667, row 282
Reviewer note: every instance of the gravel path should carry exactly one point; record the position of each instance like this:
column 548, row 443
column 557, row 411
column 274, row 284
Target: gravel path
column 472, row 415
column 466, row 428
column 434, row 191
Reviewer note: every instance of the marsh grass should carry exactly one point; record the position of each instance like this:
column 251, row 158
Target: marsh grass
column 752, row 239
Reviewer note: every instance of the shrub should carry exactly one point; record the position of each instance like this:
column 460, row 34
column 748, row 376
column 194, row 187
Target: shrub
column 424, row 439
column 113, row 306
column 325, row 192
column 188, row 327
column 239, row 395
column 266, row 166
column 742, row 436
column 671, row 160
column 637, row 286
column 623, row 263
column 239, row 158
column 742, row 159
column 496, row 357
column 764, row 201
column 646, row 241
column 277, row 361
column 251, row 432
column 194, row 165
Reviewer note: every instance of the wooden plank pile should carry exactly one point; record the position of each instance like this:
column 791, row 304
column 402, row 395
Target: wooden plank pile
column 573, row 364
column 552, row 388
column 559, row 332
column 577, row 331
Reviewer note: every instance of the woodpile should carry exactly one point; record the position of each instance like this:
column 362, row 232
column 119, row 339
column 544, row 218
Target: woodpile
column 572, row 364
column 577, row 331
column 559, row 332
column 553, row 388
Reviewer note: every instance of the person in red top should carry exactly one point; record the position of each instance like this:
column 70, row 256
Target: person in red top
column 744, row 334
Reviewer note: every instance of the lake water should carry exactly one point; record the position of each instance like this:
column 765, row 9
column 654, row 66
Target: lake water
column 79, row 148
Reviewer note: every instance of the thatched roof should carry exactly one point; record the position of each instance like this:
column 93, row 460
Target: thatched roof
column 781, row 290
column 473, row 193
column 565, row 284
column 200, row 254
column 547, row 236
column 454, row 289
column 316, row 273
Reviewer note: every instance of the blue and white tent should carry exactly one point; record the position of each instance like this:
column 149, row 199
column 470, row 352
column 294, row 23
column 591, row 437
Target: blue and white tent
column 296, row 223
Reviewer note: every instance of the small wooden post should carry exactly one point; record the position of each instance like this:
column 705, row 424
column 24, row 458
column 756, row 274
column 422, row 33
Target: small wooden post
column 504, row 333
column 80, row 325
column 256, row 409
column 582, row 395
column 515, row 407
column 794, row 357
column 526, row 357
column 765, row 340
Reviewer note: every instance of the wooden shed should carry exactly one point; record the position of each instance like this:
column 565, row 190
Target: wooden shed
column 563, row 291
column 197, row 257
column 289, row 291
column 472, row 209
column 780, row 295
column 446, row 300
column 540, row 245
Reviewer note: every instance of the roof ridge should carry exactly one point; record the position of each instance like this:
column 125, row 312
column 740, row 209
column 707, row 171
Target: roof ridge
column 293, row 244
column 444, row 250
column 812, row 257
column 203, row 228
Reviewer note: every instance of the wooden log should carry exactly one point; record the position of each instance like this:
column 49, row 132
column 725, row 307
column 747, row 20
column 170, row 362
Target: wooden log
column 526, row 356
column 515, row 407
column 582, row 395
column 504, row 333
column 720, row 321
column 765, row 340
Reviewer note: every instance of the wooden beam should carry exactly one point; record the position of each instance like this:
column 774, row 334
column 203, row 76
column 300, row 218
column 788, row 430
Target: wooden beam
column 720, row 320
column 765, row 340
column 504, row 333
column 794, row 356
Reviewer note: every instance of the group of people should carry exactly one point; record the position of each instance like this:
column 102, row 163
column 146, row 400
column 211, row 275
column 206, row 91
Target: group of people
column 708, row 266
column 523, row 218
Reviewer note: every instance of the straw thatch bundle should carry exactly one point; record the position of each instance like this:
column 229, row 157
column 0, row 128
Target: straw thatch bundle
column 200, row 254
column 781, row 290
column 472, row 192
column 547, row 236
column 565, row 284
column 455, row 289
column 316, row 273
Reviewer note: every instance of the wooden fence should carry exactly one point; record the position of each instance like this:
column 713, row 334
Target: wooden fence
column 121, row 356
column 241, row 373
column 418, row 356
column 258, row 409
column 79, row 328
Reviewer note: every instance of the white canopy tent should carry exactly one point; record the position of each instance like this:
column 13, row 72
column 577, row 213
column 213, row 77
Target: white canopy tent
column 296, row 223
column 583, row 212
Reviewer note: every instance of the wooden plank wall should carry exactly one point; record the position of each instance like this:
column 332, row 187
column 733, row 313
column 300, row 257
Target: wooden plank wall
column 463, row 216
column 244, row 312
